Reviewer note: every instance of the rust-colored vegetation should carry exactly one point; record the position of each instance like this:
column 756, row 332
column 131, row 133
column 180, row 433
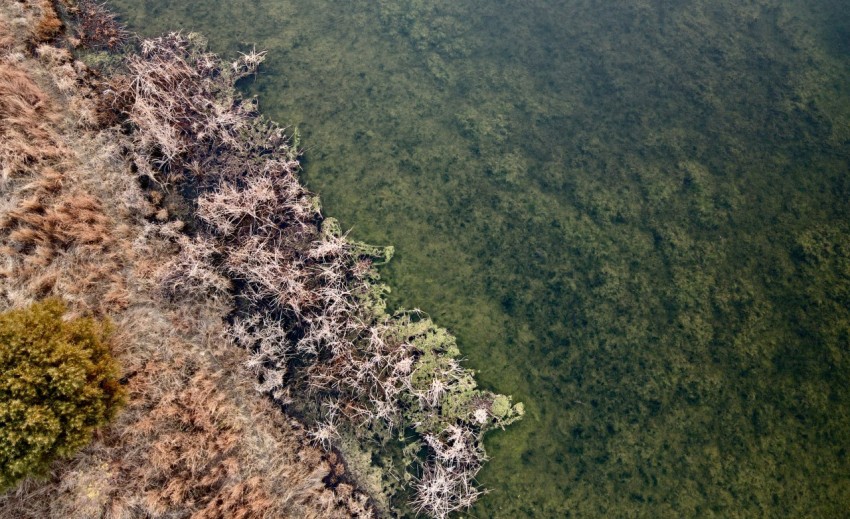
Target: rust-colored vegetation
column 47, row 26
column 59, row 242
column 26, row 118
column 191, row 433
column 182, row 450
column 56, row 239
column 195, row 439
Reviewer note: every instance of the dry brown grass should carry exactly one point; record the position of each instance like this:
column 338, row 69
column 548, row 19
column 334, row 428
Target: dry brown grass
column 190, row 433
column 56, row 237
column 26, row 118
column 6, row 38
column 58, row 241
column 47, row 24
column 196, row 440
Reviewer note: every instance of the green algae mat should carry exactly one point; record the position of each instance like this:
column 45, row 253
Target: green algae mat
column 633, row 214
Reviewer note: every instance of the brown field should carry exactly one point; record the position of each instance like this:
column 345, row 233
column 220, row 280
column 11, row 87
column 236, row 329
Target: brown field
column 195, row 439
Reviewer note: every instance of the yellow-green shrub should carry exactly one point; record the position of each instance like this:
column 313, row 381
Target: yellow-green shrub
column 58, row 382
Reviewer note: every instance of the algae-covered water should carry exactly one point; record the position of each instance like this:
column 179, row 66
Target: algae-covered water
column 633, row 214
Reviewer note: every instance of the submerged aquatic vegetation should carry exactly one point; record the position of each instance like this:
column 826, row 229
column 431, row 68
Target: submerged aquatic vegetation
column 309, row 304
column 608, row 203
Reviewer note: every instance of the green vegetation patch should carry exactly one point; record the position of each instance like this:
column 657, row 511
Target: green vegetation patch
column 58, row 383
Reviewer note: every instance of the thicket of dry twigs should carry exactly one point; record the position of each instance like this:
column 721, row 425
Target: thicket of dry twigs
column 97, row 27
column 309, row 303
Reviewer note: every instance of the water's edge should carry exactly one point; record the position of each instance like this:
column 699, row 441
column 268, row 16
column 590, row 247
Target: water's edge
column 634, row 220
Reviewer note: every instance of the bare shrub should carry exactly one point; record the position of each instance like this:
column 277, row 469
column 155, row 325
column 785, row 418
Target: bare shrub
column 193, row 271
column 177, row 102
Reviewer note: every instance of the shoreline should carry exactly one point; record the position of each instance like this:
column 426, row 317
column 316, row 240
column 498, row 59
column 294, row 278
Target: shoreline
column 250, row 259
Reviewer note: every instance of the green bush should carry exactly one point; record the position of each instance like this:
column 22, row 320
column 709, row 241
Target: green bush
column 58, row 382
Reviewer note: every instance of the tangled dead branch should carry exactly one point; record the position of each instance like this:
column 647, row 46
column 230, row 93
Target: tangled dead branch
column 176, row 101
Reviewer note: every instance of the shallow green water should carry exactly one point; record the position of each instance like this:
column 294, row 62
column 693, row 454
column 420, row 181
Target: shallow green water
column 633, row 214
